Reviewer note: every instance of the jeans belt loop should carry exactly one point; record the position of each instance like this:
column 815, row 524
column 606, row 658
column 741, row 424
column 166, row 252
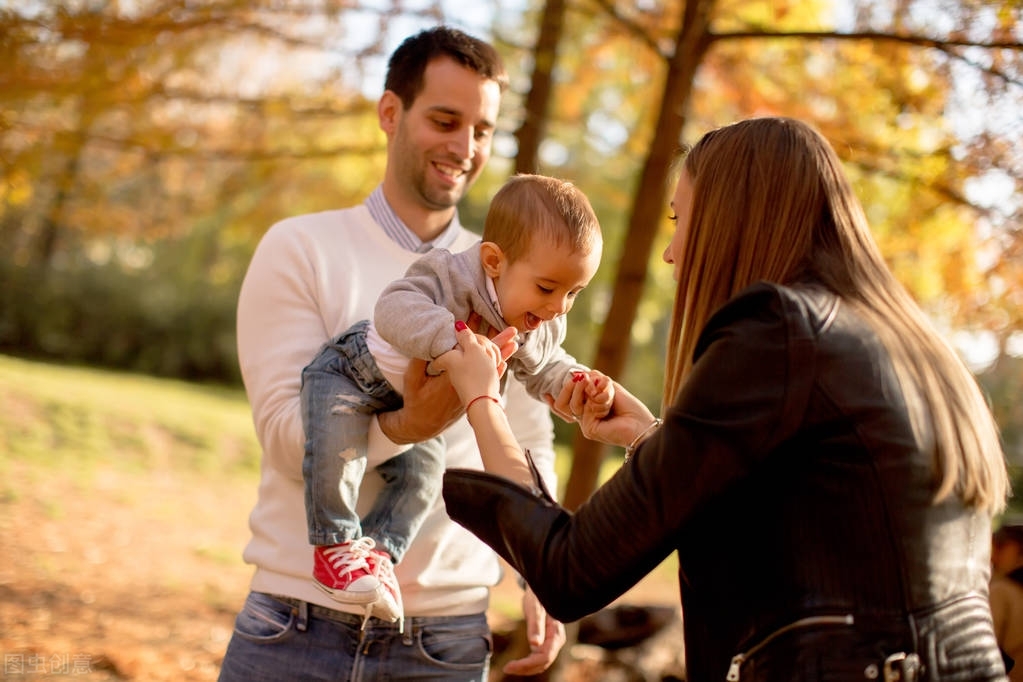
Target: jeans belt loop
column 406, row 637
column 301, row 611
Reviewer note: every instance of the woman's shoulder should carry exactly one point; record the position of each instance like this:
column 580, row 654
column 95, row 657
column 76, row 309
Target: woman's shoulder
column 803, row 304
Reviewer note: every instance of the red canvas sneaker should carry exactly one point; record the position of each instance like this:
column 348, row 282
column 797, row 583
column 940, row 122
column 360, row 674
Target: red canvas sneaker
column 343, row 572
column 389, row 606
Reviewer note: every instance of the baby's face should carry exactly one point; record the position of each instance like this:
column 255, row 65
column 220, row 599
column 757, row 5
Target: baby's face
column 543, row 284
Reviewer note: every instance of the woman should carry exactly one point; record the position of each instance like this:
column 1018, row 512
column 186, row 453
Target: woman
column 827, row 468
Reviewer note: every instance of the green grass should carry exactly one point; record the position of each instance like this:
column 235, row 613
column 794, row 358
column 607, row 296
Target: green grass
column 80, row 417
column 83, row 420
column 54, row 414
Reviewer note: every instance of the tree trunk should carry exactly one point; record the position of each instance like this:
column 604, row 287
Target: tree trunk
column 54, row 217
column 537, row 105
column 648, row 209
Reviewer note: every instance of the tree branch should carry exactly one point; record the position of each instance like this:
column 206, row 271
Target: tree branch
column 156, row 150
column 949, row 46
column 876, row 36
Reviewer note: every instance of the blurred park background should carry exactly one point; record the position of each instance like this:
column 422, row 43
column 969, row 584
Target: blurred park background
column 146, row 146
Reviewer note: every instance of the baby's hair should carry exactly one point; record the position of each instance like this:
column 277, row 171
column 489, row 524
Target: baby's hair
column 537, row 205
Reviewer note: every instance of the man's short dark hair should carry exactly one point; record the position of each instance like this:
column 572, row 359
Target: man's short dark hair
column 407, row 64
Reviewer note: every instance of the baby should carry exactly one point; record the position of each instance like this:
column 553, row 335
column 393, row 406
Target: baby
column 541, row 246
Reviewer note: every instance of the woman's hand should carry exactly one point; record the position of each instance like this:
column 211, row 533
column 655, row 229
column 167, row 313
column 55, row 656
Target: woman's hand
column 590, row 389
column 476, row 364
column 429, row 405
column 473, row 367
column 619, row 425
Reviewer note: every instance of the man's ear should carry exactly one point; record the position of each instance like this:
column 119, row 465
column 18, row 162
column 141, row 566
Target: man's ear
column 389, row 110
column 492, row 258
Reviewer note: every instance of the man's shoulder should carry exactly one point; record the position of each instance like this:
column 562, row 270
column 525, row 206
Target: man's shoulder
column 458, row 256
column 466, row 240
column 352, row 217
column 352, row 226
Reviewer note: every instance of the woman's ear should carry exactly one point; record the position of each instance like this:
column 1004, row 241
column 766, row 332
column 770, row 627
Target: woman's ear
column 492, row 258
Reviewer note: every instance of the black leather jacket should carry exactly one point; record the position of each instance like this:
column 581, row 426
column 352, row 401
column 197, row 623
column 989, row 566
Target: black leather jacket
column 787, row 478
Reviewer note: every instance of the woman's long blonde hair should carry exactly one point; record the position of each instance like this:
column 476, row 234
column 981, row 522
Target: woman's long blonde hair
column 771, row 202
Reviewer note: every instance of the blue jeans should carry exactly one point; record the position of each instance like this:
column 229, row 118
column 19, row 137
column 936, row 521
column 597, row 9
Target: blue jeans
column 276, row 638
column 342, row 388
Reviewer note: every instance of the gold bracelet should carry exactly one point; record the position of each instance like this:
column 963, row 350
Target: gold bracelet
column 481, row 397
column 630, row 449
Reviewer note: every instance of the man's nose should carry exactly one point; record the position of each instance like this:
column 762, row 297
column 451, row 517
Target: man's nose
column 460, row 143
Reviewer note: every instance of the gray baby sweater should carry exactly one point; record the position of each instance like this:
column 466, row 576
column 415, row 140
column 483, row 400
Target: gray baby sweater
column 416, row 315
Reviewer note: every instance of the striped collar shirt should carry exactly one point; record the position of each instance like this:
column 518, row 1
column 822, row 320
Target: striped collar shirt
column 396, row 229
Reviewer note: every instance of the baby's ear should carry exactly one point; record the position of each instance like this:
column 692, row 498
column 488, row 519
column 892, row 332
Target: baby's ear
column 492, row 258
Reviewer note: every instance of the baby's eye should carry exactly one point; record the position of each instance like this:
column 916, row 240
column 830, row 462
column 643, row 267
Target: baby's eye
column 544, row 289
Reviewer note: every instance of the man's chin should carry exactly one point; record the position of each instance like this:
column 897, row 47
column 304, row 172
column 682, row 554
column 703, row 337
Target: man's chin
column 441, row 201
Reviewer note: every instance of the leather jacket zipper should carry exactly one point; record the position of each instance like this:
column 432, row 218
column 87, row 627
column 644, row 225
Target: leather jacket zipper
column 739, row 659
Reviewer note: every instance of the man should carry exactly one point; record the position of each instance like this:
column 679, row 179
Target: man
column 311, row 278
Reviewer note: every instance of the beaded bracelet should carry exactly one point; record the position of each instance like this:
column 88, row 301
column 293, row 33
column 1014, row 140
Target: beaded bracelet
column 481, row 397
column 630, row 449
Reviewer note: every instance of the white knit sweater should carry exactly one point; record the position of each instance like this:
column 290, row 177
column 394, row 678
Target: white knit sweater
column 312, row 277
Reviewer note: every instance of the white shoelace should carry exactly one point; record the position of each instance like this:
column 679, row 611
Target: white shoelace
column 354, row 554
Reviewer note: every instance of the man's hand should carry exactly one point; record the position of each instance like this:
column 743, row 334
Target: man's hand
column 545, row 636
column 430, row 406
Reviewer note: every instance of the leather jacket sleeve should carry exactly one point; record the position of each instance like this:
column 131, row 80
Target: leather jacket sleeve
column 747, row 392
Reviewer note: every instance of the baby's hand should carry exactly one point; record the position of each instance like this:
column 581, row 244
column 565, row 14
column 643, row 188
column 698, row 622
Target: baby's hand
column 598, row 394
column 585, row 394
column 596, row 391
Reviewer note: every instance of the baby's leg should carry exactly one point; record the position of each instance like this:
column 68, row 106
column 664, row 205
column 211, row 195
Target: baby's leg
column 412, row 483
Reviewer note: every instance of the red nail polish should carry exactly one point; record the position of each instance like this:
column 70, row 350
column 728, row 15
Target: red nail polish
column 577, row 377
column 460, row 326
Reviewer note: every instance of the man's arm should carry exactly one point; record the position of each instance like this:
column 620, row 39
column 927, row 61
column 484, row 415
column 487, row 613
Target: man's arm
column 279, row 330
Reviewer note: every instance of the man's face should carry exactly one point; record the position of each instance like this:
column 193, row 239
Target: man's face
column 441, row 143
